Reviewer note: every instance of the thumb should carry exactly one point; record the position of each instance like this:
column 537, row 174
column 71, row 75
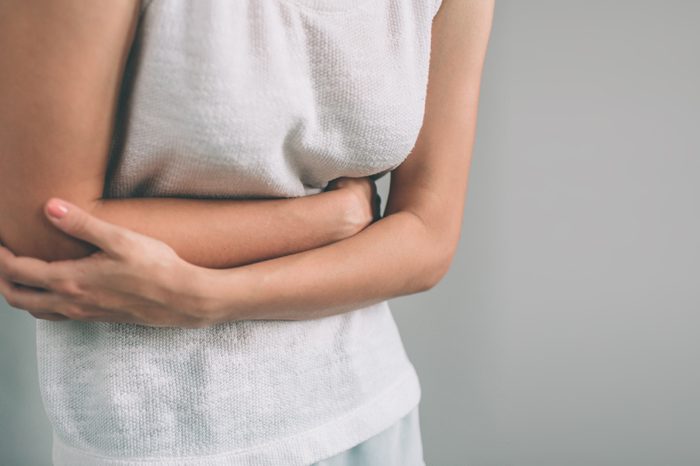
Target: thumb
column 79, row 223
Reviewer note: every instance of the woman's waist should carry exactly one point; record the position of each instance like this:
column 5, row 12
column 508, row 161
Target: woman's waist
column 354, row 347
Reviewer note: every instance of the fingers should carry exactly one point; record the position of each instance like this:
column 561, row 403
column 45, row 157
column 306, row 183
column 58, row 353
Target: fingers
column 28, row 271
column 48, row 316
column 79, row 223
column 26, row 298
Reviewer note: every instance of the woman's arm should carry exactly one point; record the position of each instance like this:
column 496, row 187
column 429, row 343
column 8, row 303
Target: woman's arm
column 139, row 279
column 61, row 65
column 229, row 233
column 411, row 248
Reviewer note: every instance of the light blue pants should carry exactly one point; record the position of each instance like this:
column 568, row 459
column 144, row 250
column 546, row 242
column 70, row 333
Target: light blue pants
column 399, row 445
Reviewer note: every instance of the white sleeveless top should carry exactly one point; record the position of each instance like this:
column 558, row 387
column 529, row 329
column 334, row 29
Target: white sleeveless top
column 236, row 99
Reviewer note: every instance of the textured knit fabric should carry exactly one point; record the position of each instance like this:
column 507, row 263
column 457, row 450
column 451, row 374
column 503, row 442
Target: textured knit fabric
column 399, row 445
column 237, row 99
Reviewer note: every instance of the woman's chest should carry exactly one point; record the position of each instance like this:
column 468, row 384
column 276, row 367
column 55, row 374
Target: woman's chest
column 275, row 95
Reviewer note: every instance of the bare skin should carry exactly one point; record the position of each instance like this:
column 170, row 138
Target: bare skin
column 61, row 67
column 407, row 251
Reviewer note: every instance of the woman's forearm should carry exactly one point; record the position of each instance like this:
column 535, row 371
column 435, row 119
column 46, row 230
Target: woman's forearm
column 220, row 233
column 394, row 256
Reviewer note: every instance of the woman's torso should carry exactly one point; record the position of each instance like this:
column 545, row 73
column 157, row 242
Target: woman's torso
column 237, row 99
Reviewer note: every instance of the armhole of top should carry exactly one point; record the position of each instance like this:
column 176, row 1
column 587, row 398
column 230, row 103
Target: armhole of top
column 436, row 6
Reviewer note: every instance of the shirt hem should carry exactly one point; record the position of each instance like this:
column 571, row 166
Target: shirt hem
column 300, row 449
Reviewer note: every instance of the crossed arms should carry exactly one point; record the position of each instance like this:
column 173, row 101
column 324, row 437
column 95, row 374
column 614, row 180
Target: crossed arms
column 59, row 82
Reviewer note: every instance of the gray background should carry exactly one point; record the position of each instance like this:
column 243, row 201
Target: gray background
column 565, row 333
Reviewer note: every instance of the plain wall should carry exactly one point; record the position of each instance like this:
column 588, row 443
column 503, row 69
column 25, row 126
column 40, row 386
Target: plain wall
column 566, row 331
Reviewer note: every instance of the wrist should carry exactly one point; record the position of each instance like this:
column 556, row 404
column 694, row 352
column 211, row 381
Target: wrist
column 190, row 292
column 216, row 295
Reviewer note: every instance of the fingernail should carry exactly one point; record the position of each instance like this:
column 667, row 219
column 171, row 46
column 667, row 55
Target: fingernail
column 57, row 209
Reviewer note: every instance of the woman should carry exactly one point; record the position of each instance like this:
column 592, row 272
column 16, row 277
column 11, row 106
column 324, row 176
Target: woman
column 189, row 211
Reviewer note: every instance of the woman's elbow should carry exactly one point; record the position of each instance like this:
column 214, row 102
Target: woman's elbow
column 434, row 251
column 29, row 233
column 440, row 265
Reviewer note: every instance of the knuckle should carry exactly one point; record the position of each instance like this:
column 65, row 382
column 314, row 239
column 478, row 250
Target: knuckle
column 95, row 300
column 79, row 224
column 122, row 243
column 12, row 299
column 10, row 272
column 55, row 317
column 67, row 287
column 73, row 312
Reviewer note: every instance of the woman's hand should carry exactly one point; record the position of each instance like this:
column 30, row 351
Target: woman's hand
column 364, row 193
column 132, row 279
